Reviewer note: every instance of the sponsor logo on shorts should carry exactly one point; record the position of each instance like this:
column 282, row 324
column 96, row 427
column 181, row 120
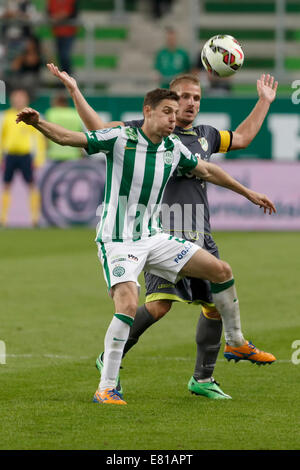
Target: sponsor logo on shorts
column 183, row 252
column 118, row 271
column 133, row 258
column 118, row 260
column 165, row 286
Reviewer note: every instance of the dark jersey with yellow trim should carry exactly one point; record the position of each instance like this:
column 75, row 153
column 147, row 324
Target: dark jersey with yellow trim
column 188, row 192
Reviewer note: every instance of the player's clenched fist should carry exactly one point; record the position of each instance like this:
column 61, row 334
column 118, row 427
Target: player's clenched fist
column 29, row 116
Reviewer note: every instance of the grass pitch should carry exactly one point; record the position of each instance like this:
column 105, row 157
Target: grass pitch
column 54, row 314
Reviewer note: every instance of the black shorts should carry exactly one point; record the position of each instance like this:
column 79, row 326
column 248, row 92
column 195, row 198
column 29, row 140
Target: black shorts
column 188, row 289
column 22, row 163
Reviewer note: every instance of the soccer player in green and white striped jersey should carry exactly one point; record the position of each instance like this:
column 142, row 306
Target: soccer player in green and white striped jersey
column 131, row 201
column 139, row 164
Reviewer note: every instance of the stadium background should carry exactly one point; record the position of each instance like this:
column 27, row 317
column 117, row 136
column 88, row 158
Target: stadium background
column 113, row 63
column 115, row 37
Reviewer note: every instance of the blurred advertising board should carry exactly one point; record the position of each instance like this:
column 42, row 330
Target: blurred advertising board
column 279, row 181
column 72, row 191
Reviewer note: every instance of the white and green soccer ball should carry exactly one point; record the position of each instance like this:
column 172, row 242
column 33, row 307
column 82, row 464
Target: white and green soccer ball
column 222, row 55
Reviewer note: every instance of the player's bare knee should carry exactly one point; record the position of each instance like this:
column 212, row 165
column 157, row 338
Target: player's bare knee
column 125, row 299
column 158, row 308
column 227, row 271
column 130, row 307
column 222, row 273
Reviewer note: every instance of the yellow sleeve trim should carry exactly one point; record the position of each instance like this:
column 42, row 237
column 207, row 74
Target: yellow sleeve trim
column 224, row 141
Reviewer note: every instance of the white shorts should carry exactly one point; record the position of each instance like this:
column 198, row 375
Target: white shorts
column 161, row 254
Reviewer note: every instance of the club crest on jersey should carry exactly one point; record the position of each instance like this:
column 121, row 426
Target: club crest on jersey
column 131, row 133
column 118, row 271
column 204, row 144
column 168, row 157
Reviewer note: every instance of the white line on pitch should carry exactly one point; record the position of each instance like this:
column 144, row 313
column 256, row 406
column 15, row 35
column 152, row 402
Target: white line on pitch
column 48, row 356
column 144, row 358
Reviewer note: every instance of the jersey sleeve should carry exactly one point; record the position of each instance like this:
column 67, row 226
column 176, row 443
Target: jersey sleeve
column 187, row 161
column 102, row 140
column 220, row 141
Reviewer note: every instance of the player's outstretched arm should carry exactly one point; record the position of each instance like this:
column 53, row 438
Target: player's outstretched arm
column 247, row 130
column 54, row 132
column 216, row 175
column 89, row 117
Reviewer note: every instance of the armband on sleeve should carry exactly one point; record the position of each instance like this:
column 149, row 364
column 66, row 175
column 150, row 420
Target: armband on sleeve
column 225, row 141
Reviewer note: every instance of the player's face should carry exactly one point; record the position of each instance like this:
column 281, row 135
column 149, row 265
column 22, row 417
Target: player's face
column 189, row 103
column 162, row 119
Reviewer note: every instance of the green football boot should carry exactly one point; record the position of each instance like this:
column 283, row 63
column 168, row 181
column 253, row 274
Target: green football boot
column 209, row 389
column 99, row 365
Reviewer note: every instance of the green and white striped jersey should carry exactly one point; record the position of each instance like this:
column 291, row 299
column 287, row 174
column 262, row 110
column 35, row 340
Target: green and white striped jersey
column 137, row 172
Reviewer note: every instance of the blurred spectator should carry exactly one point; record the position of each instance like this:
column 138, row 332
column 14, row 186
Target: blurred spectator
column 214, row 86
column 22, row 148
column 63, row 114
column 171, row 60
column 161, row 7
column 62, row 13
column 16, row 18
column 26, row 66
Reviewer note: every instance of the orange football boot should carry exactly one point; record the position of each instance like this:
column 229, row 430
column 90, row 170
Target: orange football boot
column 108, row 397
column 248, row 352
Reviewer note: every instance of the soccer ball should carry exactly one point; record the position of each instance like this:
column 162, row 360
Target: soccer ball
column 222, row 55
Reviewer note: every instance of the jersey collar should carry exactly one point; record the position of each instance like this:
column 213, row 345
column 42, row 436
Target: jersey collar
column 151, row 144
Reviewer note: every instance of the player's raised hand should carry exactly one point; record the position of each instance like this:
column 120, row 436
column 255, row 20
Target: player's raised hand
column 262, row 200
column 29, row 116
column 267, row 87
column 69, row 82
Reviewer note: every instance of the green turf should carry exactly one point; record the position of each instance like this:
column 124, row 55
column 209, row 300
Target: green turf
column 55, row 311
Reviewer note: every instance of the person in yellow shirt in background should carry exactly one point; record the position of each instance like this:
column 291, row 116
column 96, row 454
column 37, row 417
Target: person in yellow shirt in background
column 22, row 149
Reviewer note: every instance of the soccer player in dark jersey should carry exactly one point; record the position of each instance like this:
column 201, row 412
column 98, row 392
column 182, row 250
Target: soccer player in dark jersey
column 202, row 141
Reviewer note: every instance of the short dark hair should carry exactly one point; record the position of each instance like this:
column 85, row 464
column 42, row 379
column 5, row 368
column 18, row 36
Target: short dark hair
column 154, row 97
